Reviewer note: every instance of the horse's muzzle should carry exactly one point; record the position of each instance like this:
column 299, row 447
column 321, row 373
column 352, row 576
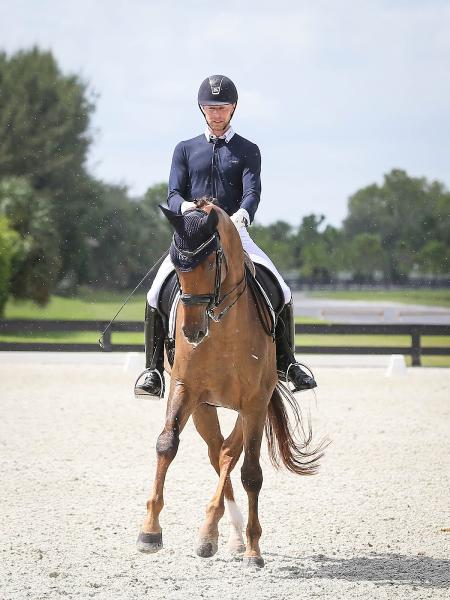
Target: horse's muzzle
column 194, row 337
column 195, row 324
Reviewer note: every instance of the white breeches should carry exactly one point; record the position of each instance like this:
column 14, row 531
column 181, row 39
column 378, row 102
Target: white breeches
column 255, row 253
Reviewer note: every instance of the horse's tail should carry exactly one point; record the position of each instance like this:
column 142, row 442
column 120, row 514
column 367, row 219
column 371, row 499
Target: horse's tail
column 295, row 454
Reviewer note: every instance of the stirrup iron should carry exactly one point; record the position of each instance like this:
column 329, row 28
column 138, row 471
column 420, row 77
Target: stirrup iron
column 151, row 370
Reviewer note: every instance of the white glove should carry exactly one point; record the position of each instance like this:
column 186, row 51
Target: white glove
column 187, row 206
column 241, row 218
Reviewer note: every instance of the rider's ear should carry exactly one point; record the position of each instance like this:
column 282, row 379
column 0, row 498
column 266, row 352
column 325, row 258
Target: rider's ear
column 173, row 218
column 212, row 221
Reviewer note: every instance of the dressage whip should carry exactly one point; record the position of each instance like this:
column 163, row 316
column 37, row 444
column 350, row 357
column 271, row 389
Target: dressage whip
column 148, row 274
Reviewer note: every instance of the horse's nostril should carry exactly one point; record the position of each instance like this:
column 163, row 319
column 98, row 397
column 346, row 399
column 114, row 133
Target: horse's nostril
column 194, row 337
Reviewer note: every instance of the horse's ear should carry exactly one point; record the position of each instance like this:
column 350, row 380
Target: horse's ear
column 173, row 218
column 212, row 221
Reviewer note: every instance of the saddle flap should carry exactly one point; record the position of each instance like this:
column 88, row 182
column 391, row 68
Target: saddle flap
column 169, row 293
column 271, row 287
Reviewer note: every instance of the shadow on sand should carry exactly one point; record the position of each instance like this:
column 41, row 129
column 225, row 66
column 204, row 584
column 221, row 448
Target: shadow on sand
column 384, row 569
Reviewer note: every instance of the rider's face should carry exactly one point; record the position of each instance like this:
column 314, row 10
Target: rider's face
column 218, row 117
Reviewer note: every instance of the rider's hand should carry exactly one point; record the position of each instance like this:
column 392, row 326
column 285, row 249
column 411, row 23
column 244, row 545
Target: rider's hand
column 187, row 206
column 241, row 218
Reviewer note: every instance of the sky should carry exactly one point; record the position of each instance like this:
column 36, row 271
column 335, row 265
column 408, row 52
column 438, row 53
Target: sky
column 334, row 92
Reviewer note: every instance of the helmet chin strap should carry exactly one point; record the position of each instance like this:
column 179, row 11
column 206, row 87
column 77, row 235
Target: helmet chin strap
column 229, row 120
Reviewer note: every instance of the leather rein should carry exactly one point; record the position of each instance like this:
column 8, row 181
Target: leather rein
column 214, row 300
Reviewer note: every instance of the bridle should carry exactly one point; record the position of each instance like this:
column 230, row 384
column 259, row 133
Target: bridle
column 214, row 300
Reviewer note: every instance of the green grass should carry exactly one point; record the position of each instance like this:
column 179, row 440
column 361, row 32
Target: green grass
column 368, row 340
column 98, row 305
column 432, row 361
column 428, row 297
column 88, row 306
column 72, row 337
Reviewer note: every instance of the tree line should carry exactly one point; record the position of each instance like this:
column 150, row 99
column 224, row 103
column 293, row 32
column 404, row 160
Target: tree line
column 392, row 231
column 61, row 228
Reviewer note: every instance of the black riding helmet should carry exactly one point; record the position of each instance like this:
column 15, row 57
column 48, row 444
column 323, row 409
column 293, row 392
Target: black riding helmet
column 217, row 90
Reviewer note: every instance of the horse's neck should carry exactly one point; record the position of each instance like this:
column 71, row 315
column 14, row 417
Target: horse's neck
column 235, row 273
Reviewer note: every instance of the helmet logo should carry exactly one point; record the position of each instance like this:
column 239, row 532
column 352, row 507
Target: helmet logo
column 215, row 85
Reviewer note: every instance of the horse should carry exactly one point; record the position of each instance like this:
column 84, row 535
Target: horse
column 224, row 358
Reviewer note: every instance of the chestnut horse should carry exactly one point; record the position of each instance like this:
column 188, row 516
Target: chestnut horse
column 224, row 357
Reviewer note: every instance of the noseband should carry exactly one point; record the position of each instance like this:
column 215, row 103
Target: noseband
column 213, row 300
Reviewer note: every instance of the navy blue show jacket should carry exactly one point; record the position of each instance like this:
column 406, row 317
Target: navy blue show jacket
column 229, row 171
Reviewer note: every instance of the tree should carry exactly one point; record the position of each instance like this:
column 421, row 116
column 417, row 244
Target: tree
column 125, row 236
column 406, row 213
column 365, row 256
column 434, row 258
column 44, row 128
column 36, row 264
column 319, row 249
column 44, row 120
column 156, row 232
column 277, row 242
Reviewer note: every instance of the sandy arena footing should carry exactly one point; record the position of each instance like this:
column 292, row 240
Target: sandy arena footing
column 78, row 457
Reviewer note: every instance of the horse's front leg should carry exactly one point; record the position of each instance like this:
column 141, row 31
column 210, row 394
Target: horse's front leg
column 177, row 415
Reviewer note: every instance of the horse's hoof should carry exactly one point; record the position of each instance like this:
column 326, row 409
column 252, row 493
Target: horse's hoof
column 206, row 549
column 149, row 542
column 253, row 561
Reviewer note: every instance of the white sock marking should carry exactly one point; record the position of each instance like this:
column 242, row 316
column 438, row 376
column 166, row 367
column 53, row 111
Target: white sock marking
column 236, row 520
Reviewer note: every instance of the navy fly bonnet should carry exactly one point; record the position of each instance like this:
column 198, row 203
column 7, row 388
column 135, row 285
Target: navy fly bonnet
column 194, row 238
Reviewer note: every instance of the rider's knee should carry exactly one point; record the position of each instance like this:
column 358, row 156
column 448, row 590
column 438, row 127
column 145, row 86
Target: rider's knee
column 152, row 298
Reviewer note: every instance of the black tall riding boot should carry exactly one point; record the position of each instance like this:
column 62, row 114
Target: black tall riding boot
column 154, row 356
column 286, row 364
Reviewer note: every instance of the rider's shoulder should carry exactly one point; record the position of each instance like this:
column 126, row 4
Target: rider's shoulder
column 192, row 142
column 242, row 141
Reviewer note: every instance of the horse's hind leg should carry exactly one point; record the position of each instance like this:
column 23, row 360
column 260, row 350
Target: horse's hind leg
column 207, row 424
column 252, row 478
column 236, row 544
column 178, row 413
column 223, row 456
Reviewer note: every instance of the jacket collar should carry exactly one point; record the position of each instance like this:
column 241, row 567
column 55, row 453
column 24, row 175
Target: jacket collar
column 226, row 136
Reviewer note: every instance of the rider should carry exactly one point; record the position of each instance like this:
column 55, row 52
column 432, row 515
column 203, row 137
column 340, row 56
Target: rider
column 221, row 164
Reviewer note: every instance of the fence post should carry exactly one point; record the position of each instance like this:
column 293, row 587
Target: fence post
column 107, row 341
column 415, row 348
